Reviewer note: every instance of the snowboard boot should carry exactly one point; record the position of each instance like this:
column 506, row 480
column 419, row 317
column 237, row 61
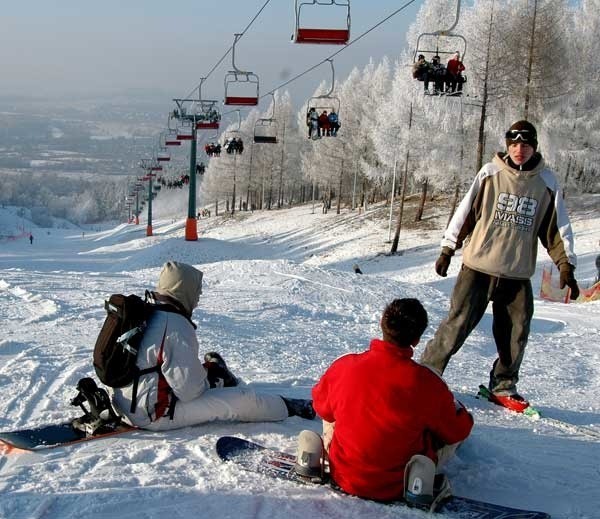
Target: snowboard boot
column 101, row 417
column 218, row 372
column 299, row 407
column 309, row 456
column 419, row 476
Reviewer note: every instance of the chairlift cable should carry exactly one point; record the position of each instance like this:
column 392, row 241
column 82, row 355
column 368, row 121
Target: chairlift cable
column 359, row 37
column 229, row 49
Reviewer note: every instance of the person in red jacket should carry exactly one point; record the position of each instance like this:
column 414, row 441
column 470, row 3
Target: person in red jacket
column 380, row 409
column 454, row 78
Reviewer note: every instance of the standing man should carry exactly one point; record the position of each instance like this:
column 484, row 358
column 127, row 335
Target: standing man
column 514, row 201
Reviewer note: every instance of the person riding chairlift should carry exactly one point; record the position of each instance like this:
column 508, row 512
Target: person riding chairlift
column 438, row 71
column 454, row 78
column 312, row 121
column 421, row 71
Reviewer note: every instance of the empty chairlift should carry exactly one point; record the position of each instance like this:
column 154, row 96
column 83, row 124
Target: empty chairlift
column 171, row 137
column 162, row 154
column 241, row 87
column 337, row 36
column 265, row 129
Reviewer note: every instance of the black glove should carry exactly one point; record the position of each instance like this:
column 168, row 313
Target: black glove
column 568, row 279
column 443, row 262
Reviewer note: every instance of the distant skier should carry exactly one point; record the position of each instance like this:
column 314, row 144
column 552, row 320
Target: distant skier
column 380, row 408
column 31, row 238
column 513, row 201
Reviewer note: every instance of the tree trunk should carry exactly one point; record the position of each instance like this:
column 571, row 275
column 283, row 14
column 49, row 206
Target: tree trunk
column 419, row 214
column 339, row 194
column 404, row 181
column 530, row 62
column 454, row 203
column 484, row 99
column 250, row 173
column 234, row 185
column 280, row 193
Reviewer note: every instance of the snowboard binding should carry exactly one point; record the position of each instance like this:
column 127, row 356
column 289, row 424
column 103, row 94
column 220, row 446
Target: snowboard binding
column 100, row 417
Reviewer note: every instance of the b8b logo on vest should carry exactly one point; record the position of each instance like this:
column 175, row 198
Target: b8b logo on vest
column 513, row 210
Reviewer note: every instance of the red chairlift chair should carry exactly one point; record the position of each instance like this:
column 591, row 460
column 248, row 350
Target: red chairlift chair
column 322, row 36
column 239, row 77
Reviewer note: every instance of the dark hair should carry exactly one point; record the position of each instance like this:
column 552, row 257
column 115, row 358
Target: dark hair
column 403, row 321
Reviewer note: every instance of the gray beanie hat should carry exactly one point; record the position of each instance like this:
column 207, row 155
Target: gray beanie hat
column 181, row 282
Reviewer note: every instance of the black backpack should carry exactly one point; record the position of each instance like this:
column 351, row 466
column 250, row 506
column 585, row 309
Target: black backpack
column 115, row 352
column 116, row 348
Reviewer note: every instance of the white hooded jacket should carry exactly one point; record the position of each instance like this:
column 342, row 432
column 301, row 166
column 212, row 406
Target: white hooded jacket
column 170, row 342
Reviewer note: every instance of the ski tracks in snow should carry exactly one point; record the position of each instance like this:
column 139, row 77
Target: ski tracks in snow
column 20, row 304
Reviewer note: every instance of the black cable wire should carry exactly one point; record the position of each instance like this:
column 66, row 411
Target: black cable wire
column 298, row 76
column 230, row 48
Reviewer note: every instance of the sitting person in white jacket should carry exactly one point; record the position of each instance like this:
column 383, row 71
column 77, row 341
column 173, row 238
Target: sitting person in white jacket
column 185, row 390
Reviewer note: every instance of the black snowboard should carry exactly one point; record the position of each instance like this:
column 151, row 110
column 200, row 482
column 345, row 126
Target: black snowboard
column 51, row 436
column 257, row 458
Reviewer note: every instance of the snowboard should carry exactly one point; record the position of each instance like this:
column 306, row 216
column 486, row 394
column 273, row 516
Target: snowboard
column 280, row 465
column 51, row 436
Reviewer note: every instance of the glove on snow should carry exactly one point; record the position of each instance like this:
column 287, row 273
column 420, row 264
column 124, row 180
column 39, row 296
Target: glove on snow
column 568, row 279
column 443, row 262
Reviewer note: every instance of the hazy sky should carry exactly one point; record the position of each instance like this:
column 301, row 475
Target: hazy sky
column 79, row 47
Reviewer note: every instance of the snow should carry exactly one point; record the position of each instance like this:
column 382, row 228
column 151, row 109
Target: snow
column 280, row 302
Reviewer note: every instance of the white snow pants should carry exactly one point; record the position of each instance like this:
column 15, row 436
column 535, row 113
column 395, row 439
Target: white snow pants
column 231, row 404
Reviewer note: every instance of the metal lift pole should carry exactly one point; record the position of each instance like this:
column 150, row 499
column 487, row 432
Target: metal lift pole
column 149, row 225
column 191, row 224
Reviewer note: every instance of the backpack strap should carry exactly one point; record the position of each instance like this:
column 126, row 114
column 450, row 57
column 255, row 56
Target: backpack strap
column 162, row 405
column 167, row 304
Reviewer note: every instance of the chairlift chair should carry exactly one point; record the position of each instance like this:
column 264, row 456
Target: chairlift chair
column 322, row 36
column 185, row 131
column 428, row 43
column 237, row 77
column 251, row 92
column 163, row 156
column 448, row 34
column 171, row 138
column 208, row 117
column 327, row 103
column 265, row 131
column 170, row 135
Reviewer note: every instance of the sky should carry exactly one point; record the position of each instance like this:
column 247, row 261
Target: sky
column 79, row 47
column 280, row 302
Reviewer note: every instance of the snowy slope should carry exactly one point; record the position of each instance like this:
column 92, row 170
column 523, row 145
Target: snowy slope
column 280, row 303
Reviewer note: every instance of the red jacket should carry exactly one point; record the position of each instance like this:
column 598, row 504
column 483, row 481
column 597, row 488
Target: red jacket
column 455, row 67
column 386, row 408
